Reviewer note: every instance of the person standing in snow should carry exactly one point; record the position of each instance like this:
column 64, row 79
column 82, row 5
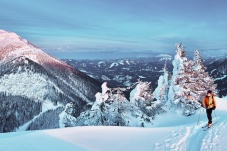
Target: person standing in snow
column 209, row 104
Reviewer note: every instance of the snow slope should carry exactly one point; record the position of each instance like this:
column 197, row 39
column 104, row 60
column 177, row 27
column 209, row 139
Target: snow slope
column 174, row 133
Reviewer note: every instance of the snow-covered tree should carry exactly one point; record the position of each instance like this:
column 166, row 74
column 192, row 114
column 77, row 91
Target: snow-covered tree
column 142, row 93
column 66, row 117
column 142, row 97
column 203, row 81
column 189, row 82
column 112, row 108
column 178, row 69
column 161, row 92
column 199, row 65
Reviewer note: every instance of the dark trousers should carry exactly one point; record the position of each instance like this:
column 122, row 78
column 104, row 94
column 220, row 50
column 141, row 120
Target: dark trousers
column 209, row 115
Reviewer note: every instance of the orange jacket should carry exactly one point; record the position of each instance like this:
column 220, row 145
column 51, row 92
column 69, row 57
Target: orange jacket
column 206, row 102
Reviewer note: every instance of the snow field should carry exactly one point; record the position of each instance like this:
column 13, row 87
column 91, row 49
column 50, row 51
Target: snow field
column 176, row 133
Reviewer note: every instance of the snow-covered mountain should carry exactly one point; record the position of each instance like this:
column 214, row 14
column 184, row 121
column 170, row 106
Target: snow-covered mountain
column 34, row 86
column 124, row 72
column 218, row 69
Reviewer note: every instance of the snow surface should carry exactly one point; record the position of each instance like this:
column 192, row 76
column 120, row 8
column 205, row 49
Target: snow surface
column 142, row 77
column 221, row 78
column 175, row 133
column 119, row 62
column 164, row 57
column 113, row 65
column 104, row 77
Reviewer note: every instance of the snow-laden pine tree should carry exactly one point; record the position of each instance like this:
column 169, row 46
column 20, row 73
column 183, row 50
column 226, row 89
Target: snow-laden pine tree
column 161, row 92
column 111, row 108
column 199, row 65
column 142, row 97
column 189, row 82
column 203, row 81
column 141, row 93
column 66, row 117
column 178, row 68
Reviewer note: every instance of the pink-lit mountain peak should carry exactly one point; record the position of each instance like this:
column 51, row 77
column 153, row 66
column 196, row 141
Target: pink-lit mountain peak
column 17, row 51
column 8, row 39
column 12, row 46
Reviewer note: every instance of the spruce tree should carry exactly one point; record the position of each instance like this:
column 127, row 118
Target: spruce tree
column 203, row 80
column 189, row 82
column 161, row 92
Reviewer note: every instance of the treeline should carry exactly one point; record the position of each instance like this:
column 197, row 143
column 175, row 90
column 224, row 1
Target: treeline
column 16, row 111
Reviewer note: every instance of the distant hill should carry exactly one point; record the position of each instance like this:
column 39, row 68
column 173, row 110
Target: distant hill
column 124, row 72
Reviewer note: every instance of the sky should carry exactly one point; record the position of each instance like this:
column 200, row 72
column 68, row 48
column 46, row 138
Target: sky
column 100, row 29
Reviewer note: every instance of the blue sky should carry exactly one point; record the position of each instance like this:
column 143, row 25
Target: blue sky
column 116, row 28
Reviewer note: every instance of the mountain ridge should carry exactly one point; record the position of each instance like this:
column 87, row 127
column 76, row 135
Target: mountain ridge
column 99, row 69
column 29, row 72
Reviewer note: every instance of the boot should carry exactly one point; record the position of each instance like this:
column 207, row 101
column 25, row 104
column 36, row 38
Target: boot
column 209, row 125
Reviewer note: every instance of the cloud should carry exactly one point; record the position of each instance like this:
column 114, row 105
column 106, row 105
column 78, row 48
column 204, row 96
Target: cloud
column 214, row 52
